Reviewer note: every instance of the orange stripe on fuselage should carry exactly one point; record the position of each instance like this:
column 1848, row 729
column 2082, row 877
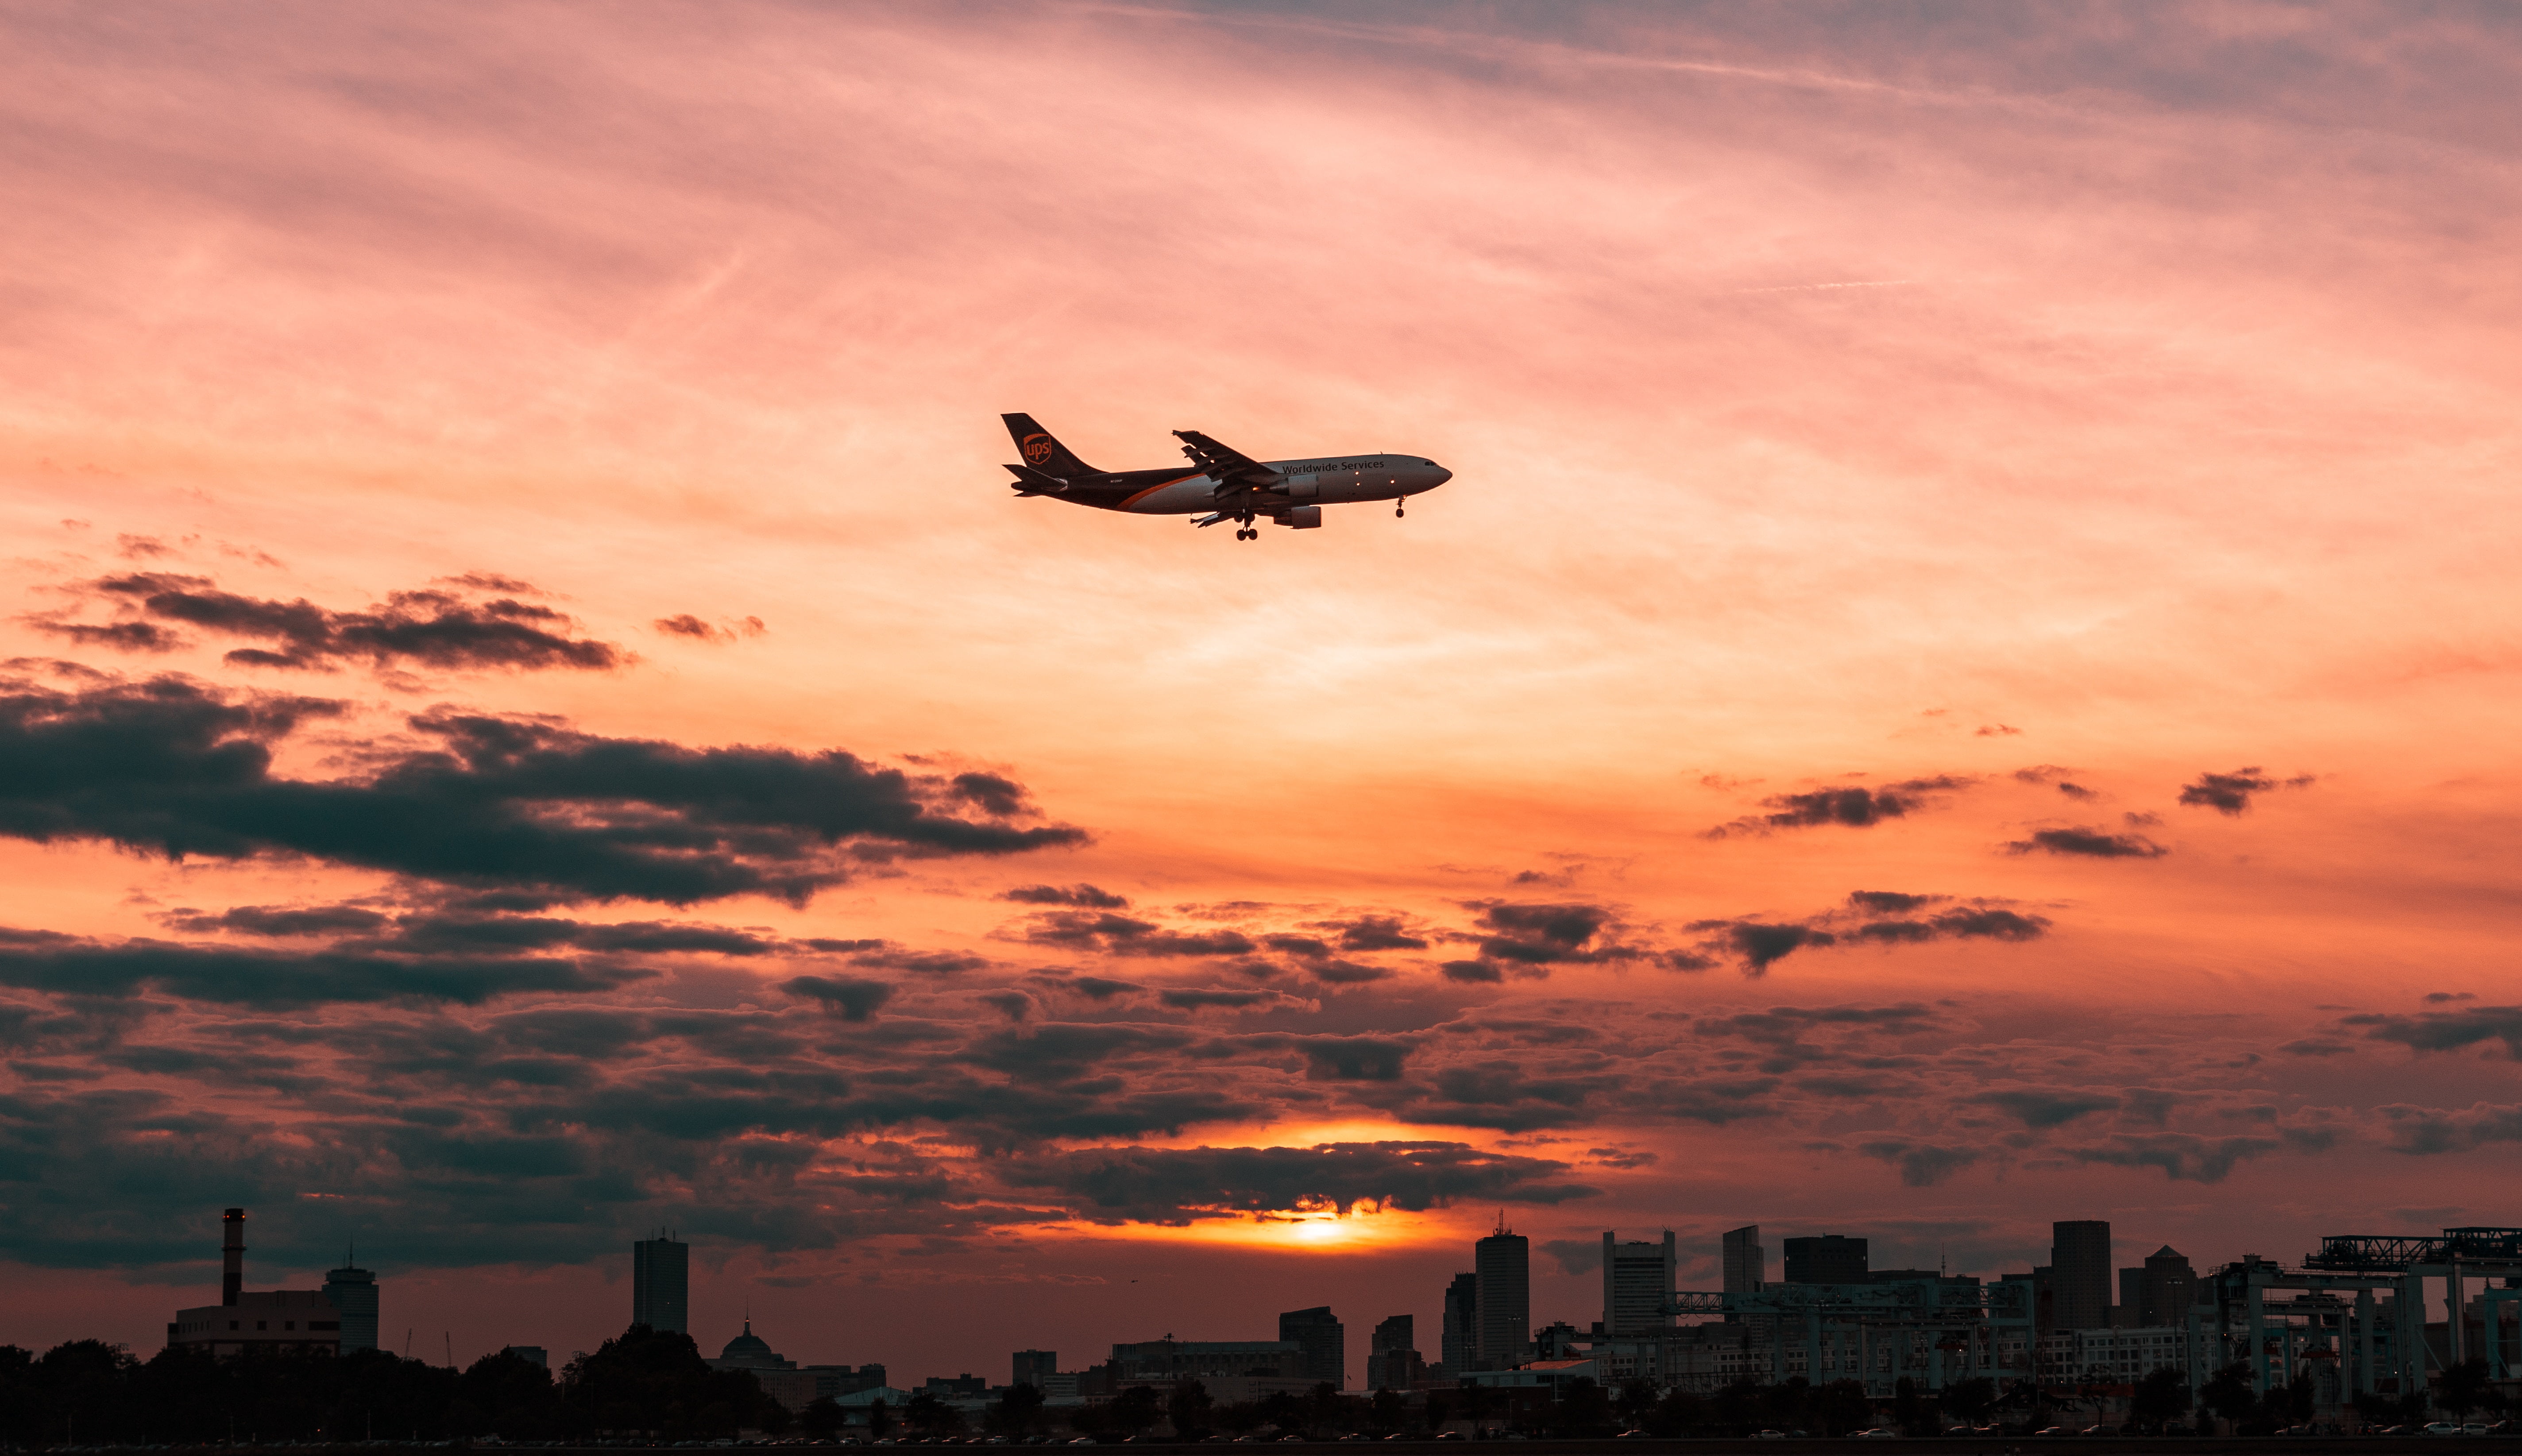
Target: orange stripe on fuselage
column 1152, row 490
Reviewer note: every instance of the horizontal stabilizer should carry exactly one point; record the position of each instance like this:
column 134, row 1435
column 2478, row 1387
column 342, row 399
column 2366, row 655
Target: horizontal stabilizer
column 1031, row 482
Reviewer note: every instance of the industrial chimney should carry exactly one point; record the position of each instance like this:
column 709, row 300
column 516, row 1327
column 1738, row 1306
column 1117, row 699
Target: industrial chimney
column 232, row 1257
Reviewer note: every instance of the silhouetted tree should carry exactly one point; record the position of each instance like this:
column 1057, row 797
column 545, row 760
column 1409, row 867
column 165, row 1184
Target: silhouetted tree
column 1679, row 1413
column 506, row 1393
column 1583, row 1408
column 85, row 1389
column 930, row 1416
column 1187, row 1409
column 1840, row 1407
column 655, row 1379
column 1017, row 1412
column 1133, row 1410
column 1240, row 1418
column 1330, row 1412
column 21, row 1404
column 822, row 1416
column 1969, row 1401
column 2162, row 1396
column 1389, row 1412
column 1284, row 1409
column 2229, row 1394
column 2459, row 1389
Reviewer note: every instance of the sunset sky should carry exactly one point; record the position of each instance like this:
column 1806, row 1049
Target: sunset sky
column 1967, row 674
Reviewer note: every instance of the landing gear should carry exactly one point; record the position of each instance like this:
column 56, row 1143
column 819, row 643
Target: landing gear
column 1248, row 534
column 1398, row 503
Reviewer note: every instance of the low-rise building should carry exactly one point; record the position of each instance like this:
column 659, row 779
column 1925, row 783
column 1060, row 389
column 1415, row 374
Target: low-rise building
column 1167, row 1361
column 1554, row 1374
column 273, row 1322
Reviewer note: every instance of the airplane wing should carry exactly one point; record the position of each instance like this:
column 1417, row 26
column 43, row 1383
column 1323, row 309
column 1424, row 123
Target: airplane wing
column 1234, row 469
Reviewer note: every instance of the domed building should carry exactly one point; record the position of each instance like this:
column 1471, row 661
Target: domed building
column 750, row 1351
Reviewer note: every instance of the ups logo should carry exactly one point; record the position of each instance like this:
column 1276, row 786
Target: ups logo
column 1037, row 448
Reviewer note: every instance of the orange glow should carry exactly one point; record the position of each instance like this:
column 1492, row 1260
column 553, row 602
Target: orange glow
column 1362, row 1230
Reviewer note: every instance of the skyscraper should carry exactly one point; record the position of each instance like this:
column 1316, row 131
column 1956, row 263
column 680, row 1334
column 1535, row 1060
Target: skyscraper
column 661, row 1283
column 1638, row 1284
column 1503, row 1263
column 1035, row 1367
column 1459, row 1338
column 1323, row 1344
column 1829, row 1258
column 2156, row 1292
column 1747, row 1264
column 2079, row 1278
column 1392, row 1360
column 353, row 1293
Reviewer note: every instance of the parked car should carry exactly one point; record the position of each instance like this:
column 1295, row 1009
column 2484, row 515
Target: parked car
column 1768, row 1435
column 1876, row 1434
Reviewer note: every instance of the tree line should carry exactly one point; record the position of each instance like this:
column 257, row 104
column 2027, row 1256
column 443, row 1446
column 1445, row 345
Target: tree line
column 655, row 1383
column 87, row 1392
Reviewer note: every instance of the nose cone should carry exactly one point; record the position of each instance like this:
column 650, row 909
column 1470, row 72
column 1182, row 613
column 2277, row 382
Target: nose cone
column 1437, row 475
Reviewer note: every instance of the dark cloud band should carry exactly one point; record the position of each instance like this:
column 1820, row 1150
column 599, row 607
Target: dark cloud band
column 174, row 768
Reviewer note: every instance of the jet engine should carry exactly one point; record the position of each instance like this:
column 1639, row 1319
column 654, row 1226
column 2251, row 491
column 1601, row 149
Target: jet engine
column 1302, row 517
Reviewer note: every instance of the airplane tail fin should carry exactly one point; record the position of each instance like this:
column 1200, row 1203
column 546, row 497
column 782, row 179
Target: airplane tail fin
column 1042, row 452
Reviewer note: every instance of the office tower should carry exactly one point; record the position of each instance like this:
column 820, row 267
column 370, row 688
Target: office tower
column 1321, row 1342
column 1393, row 1359
column 1034, row 1367
column 661, row 1283
column 2158, row 1291
column 1503, row 1262
column 2038, row 1297
column 1747, row 1264
column 2079, row 1278
column 1638, row 1284
column 1460, row 1337
column 1828, row 1258
column 352, row 1291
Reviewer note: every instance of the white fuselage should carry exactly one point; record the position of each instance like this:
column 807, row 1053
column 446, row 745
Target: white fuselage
column 1326, row 480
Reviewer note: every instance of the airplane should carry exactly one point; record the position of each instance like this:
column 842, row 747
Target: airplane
column 1222, row 484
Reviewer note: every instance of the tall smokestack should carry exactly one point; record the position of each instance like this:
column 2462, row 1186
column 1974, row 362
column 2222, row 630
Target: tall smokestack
column 232, row 1257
